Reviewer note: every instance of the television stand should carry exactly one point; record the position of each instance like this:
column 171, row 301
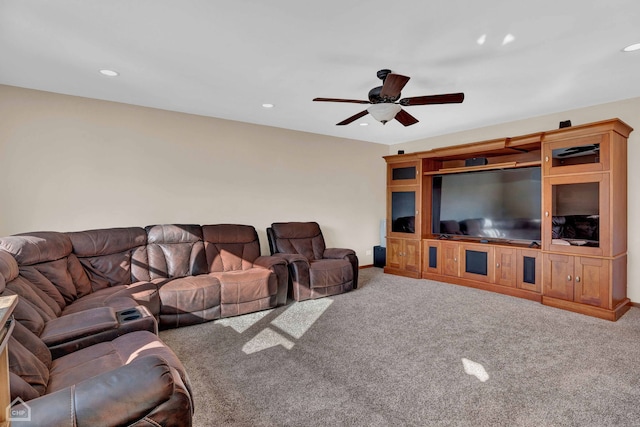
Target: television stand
column 573, row 257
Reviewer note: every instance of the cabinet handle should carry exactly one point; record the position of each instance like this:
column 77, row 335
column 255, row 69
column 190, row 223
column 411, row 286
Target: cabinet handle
column 455, row 259
column 497, row 265
column 546, row 214
column 546, row 159
column 577, row 278
column 569, row 278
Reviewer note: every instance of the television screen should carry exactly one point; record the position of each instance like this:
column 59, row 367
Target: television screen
column 491, row 204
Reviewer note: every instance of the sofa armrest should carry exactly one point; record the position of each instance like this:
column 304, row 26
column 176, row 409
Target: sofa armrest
column 349, row 255
column 338, row 253
column 279, row 267
column 77, row 325
column 269, row 261
column 292, row 258
column 118, row 397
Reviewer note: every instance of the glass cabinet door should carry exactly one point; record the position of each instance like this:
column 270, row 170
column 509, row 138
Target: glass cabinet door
column 403, row 212
column 589, row 154
column 576, row 211
column 405, row 173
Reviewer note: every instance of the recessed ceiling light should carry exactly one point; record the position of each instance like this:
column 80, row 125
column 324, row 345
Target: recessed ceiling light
column 109, row 73
column 631, row 47
column 268, row 105
column 364, row 124
column 481, row 39
column 508, row 39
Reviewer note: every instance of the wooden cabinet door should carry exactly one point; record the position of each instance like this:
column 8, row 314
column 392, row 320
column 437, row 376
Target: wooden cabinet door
column 411, row 255
column 558, row 276
column 506, row 270
column 450, row 259
column 529, row 266
column 432, row 257
column 592, row 281
column 394, row 249
column 576, row 155
column 476, row 262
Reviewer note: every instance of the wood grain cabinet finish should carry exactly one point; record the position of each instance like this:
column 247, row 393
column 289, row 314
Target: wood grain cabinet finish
column 584, row 187
column 403, row 257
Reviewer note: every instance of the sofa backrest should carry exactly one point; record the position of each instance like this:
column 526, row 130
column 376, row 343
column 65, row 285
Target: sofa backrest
column 34, row 307
column 175, row 250
column 45, row 260
column 112, row 256
column 29, row 364
column 304, row 238
column 230, row 247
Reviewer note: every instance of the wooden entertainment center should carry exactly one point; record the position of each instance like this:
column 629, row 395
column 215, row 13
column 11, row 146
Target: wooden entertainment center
column 583, row 193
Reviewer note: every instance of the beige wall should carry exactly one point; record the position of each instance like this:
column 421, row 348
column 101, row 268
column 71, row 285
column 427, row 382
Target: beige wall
column 70, row 163
column 628, row 111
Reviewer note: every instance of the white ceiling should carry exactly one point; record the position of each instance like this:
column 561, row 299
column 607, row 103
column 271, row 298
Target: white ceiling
column 226, row 58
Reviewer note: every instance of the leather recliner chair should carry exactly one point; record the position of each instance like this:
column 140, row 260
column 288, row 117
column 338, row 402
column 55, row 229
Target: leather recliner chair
column 315, row 271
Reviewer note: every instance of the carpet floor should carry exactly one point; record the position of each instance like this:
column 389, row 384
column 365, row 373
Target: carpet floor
column 407, row 352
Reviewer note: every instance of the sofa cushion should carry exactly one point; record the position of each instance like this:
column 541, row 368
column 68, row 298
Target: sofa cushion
column 45, row 260
column 330, row 272
column 45, row 305
column 112, row 256
column 27, row 366
column 248, row 285
column 189, row 294
column 32, row 343
column 230, row 247
column 27, row 314
column 304, row 238
column 90, row 361
column 20, row 388
column 175, row 250
column 8, row 267
column 33, row 275
column 37, row 247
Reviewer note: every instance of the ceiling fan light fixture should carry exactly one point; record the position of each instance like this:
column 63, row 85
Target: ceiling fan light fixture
column 384, row 112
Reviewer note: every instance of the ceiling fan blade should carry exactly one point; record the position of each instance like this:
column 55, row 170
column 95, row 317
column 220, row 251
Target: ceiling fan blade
column 406, row 118
column 352, row 101
column 392, row 85
column 449, row 98
column 353, row 118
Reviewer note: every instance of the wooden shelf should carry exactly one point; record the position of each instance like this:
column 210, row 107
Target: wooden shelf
column 505, row 165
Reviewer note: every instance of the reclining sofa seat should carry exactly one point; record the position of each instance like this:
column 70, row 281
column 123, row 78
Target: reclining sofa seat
column 57, row 300
column 315, row 271
column 248, row 281
column 212, row 271
column 86, row 387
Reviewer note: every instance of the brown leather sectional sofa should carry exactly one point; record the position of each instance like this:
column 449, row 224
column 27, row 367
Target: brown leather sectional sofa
column 84, row 350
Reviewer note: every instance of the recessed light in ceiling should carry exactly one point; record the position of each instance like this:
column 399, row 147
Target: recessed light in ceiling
column 632, row 47
column 109, row 73
column 364, row 124
column 509, row 38
column 268, row 105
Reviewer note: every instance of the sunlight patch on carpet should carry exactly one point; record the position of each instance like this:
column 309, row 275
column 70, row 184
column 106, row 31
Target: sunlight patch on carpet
column 265, row 339
column 297, row 319
column 244, row 322
column 475, row 369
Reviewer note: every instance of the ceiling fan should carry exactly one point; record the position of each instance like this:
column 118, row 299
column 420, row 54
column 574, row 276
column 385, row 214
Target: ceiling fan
column 384, row 100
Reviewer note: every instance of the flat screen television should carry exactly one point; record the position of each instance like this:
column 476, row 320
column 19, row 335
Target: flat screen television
column 489, row 204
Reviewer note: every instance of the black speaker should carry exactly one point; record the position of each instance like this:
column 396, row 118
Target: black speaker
column 379, row 256
column 476, row 161
column 565, row 124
